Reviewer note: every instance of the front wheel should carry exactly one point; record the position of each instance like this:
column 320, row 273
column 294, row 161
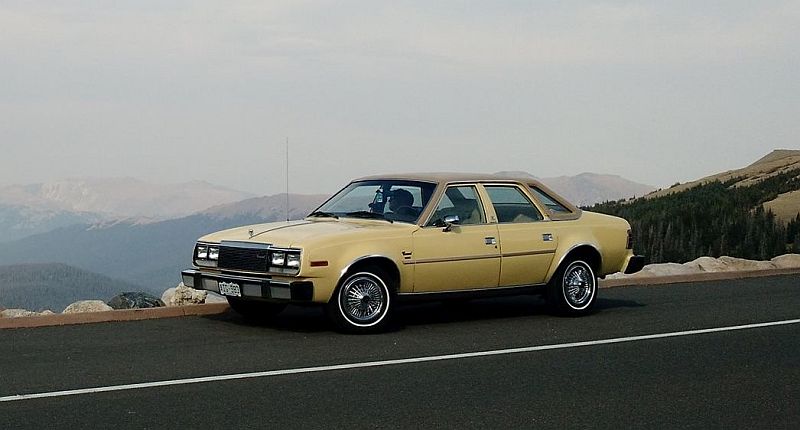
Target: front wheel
column 362, row 303
column 573, row 289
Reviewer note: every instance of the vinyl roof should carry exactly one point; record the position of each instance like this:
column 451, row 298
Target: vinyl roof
column 444, row 177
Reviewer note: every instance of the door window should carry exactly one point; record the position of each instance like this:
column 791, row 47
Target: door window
column 511, row 205
column 461, row 201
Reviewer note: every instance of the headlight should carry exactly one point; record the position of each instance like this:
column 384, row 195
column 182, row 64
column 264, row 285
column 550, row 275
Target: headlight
column 278, row 258
column 285, row 261
column 293, row 261
column 206, row 255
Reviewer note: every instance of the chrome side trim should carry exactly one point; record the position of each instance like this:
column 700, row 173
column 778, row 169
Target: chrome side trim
column 446, row 260
column 525, row 253
column 474, row 290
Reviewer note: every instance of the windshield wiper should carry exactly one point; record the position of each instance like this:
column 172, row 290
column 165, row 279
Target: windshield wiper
column 322, row 214
column 367, row 214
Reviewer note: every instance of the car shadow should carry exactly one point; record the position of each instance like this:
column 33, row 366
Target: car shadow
column 312, row 319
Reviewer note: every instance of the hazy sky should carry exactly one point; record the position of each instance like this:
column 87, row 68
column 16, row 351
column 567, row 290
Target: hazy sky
column 172, row 91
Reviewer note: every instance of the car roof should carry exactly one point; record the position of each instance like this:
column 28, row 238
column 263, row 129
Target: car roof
column 445, row 177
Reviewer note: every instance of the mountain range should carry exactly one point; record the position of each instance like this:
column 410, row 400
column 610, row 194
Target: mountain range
column 37, row 208
column 148, row 254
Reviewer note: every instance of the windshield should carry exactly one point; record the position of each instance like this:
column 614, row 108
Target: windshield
column 391, row 200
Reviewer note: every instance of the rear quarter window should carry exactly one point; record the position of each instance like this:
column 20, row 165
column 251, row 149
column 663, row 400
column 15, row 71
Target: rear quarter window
column 551, row 203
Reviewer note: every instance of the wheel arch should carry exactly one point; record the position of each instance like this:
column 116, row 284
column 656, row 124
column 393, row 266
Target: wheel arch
column 583, row 251
column 384, row 263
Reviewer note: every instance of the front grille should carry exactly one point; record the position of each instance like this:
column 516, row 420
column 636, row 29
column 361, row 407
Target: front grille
column 239, row 258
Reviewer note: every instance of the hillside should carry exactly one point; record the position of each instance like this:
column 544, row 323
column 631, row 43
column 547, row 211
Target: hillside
column 17, row 222
column 590, row 188
column 54, row 286
column 150, row 254
column 785, row 206
column 722, row 214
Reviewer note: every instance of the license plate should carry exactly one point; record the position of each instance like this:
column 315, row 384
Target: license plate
column 230, row 289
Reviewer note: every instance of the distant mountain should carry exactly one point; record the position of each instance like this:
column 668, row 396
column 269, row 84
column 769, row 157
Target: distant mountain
column 55, row 286
column 785, row 206
column 589, row 188
column 148, row 254
column 729, row 213
column 17, row 222
column 269, row 207
column 120, row 197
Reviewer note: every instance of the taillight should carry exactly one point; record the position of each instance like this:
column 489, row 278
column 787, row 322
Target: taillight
column 629, row 245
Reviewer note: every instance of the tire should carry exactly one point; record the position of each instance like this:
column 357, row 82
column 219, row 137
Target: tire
column 255, row 311
column 573, row 289
column 362, row 303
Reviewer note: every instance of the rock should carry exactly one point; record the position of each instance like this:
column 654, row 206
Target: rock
column 87, row 306
column 183, row 295
column 787, row 261
column 133, row 300
column 742, row 264
column 666, row 269
column 17, row 313
column 708, row 264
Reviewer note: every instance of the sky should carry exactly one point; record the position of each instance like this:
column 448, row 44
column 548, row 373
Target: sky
column 172, row 91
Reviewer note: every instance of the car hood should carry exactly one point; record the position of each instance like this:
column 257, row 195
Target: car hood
column 298, row 233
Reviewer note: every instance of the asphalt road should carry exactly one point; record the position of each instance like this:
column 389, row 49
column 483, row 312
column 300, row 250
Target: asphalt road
column 747, row 378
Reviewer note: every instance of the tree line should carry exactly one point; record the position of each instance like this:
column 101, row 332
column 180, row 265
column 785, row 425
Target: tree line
column 713, row 219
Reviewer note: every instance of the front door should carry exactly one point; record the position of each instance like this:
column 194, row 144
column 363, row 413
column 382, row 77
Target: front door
column 463, row 255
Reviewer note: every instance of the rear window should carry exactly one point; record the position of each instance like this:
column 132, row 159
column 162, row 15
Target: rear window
column 548, row 201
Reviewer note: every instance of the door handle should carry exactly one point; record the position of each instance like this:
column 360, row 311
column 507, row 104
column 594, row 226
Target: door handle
column 490, row 240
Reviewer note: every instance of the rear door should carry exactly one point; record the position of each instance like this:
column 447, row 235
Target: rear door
column 527, row 242
column 462, row 256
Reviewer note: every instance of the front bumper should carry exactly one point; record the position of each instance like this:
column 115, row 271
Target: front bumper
column 251, row 287
column 635, row 264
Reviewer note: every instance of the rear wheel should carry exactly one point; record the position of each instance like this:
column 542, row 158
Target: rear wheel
column 573, row 289
column 255, row 310
column 362, row 302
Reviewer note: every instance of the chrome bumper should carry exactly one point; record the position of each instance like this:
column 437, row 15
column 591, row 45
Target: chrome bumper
column 251, row 287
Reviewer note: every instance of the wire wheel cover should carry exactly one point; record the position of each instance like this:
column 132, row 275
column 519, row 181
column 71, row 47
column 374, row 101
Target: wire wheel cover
column 579, row 285
column 363, row 298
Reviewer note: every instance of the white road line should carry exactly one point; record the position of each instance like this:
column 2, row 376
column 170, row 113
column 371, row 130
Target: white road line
column 301, row 370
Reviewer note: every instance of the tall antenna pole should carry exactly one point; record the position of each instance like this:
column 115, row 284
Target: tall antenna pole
column 287, row 178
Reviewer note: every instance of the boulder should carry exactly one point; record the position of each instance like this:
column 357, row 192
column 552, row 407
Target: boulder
column 183, row 295
column 787, row 261
column 742, row 264
column 666, row 269
column 87, row 306
column 134, row 300
column 707, row 264
column 17, row 313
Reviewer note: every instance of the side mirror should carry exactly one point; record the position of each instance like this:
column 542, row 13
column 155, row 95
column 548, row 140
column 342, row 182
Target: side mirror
column 450, row 221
